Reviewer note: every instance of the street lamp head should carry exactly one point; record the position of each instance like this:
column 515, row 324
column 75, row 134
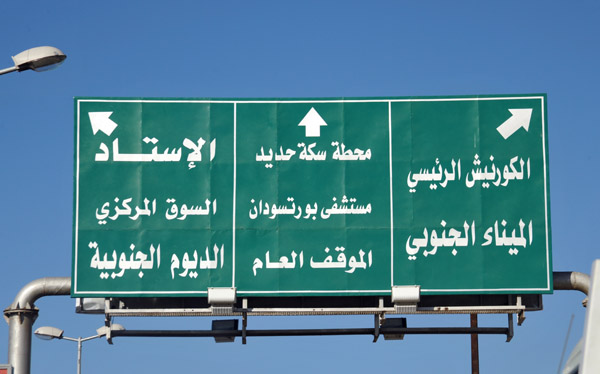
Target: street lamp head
column 39, row 59
column 49, row 333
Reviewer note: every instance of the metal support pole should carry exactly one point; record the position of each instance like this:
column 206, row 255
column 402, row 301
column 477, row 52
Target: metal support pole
column 511, row 328
column 21, row 314
column 20, row 323
column 474, row 346
column 244, row 326
column 79, row 344
column 244, row 319
column 377, row 326
column 590, row 360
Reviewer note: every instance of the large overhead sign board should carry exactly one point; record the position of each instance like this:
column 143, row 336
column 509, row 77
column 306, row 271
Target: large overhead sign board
column 296, row 197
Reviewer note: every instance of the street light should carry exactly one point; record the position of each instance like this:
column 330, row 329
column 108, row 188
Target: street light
column 38, row 59
column 49, row 333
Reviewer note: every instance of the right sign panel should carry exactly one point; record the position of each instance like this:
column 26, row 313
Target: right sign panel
column 470, row 194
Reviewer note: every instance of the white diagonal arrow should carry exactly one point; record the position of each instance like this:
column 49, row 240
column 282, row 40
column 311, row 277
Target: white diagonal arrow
column 312, row 123
column 520, row 118
column 101, row 122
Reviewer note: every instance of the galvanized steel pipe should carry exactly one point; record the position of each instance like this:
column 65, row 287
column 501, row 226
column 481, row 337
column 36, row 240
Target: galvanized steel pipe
column 21, row 314
column 572, row 280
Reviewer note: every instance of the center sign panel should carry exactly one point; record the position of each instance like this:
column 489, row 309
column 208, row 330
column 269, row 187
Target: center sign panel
column 311, row 196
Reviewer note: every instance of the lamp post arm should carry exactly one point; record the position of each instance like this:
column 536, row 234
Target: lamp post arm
column 8, row 70
column 69, row 339
column 91, row 337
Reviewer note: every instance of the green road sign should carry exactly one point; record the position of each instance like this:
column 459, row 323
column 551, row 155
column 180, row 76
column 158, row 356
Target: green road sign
column 292, row 197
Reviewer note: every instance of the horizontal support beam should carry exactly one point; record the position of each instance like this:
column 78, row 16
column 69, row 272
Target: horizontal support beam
column 313, row 332
column 309, row 311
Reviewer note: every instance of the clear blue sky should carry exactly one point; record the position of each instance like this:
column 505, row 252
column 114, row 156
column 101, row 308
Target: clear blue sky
column 285, row 49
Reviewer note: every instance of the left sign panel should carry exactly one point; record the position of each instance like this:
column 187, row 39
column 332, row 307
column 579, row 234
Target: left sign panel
column 153, row 197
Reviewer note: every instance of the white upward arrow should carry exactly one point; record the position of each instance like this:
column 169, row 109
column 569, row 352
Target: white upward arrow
column 520, row 118
column 312, row 123
column 101, row 122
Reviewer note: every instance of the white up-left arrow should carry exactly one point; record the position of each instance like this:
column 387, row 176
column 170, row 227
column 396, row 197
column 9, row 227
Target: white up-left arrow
column 520, row 118
column 312, row 123
column 101, row 122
